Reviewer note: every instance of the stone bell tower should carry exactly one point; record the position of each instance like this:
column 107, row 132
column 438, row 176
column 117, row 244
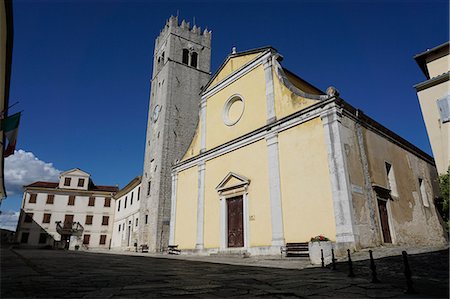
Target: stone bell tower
column 181, row 67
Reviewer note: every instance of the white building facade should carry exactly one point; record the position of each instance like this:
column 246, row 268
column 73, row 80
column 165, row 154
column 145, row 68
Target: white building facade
column 73, row 213
column 126, row 218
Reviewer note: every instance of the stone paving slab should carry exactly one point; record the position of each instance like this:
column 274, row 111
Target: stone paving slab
column 70, row 274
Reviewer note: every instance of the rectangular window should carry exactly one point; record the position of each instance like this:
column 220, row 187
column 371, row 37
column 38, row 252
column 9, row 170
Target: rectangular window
column 71, row 201
column 86, row 239
column 392, row 184
column 50, row 199
column 118, row 206
column 105, row 220
column 423, row 193
column 67, row 181
column 88, row 219
column 444, row 109
column 24, row 237
column 42, row 238
column 131, row 199
column 33, row 197
column 107, row 202
column 102, row 239
column 139, row 193
column 120, row 226
column 149, row 186
column 80, row 182
column 28, row 218
column 46, row 218
column 125, row 204
column 137, row 221
column 91, row 201
column 146, row 219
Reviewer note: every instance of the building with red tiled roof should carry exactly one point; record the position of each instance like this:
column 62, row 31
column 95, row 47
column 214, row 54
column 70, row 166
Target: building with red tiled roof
column 72, row 213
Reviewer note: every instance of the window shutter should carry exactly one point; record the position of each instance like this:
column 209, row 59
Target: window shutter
column 444, row 108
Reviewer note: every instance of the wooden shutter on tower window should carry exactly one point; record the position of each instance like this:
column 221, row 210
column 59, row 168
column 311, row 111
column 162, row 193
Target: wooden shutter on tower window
column 50, row 199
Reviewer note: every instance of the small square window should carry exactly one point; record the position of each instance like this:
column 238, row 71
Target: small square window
column 91, row 201
column 88, row 219
column 71, row 201
column 67, row 181
column 46, row 218
column 33, row 197
column 50, row 199
column 28, row 218
column 107, row 202
column 80, row 182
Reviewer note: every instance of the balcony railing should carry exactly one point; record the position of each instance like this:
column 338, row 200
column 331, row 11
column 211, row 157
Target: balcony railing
column 69, row 228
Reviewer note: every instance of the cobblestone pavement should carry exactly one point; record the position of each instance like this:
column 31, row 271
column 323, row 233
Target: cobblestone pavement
column 69, row 274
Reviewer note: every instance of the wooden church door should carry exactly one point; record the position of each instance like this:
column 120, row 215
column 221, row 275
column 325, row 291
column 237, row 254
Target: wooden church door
column 235, row 222
column 384, row 221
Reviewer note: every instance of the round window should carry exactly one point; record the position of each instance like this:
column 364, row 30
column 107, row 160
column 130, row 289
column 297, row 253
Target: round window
column 233, row 110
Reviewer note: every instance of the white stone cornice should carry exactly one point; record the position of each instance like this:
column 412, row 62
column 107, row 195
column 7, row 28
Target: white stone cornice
column 257, row 135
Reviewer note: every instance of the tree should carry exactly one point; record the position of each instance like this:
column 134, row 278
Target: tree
column 443, row 201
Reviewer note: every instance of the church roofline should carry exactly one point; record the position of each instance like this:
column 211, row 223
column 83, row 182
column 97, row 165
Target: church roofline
column 263, row 50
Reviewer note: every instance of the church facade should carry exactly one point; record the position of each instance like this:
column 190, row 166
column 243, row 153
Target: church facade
column 275, row 160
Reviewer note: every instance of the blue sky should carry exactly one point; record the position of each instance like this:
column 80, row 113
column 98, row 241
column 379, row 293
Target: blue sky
column 81, row 70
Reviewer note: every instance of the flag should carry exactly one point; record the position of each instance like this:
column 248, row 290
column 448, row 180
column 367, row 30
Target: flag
column 10, row 127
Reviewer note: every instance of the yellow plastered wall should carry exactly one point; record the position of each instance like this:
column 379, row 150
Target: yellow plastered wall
column 305, row 183
column 194, row 147
column 252, row 88
column 250, row 162
column 186, row 210
column 233, row 65
column 286, row 102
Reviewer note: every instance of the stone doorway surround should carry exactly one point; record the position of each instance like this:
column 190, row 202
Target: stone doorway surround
column 233, row 185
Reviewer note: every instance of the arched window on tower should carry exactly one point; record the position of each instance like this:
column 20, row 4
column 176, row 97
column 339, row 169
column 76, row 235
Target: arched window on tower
column 185, row 56
column 194, row 57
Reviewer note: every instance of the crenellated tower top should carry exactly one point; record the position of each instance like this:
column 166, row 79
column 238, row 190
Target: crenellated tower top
column 184, row 30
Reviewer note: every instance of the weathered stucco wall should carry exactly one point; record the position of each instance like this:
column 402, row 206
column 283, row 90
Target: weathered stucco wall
column 410, row 220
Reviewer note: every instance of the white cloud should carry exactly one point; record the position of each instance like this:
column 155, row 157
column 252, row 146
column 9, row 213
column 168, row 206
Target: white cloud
column 24, row 168
column 8, row 220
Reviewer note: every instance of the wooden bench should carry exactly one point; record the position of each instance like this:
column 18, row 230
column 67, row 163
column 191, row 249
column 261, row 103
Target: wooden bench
column 173, row 249
column 143, row 248
column 295, row 250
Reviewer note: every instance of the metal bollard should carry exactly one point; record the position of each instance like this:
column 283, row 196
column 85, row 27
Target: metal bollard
column 350, row 265
column 407, row 271
column 321, row 257
column 373, row 268
column 333, row 260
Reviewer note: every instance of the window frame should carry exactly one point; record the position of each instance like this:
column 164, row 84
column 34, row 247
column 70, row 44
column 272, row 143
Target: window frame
column 67, row 181
column 46, row 217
